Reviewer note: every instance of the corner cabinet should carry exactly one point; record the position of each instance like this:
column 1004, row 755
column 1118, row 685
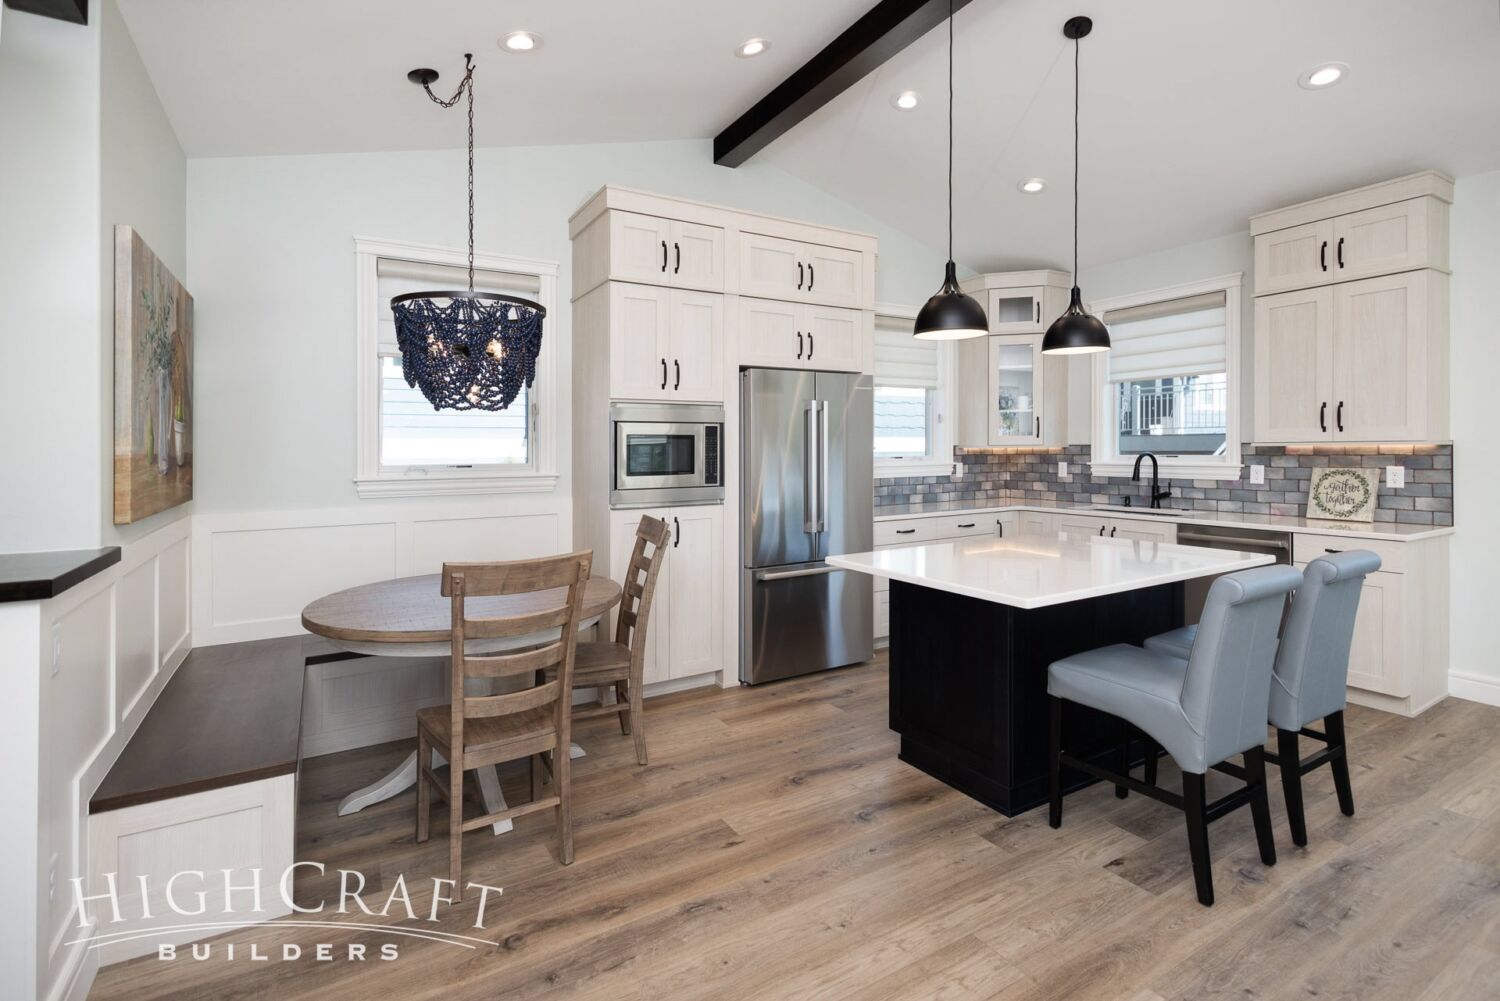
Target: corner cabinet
column 1351, row 316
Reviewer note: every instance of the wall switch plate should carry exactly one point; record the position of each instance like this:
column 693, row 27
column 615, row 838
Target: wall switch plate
column 1395, row 477
column 56, row 648
column 958, row 470
column 1257, row 475
column 1062, row 469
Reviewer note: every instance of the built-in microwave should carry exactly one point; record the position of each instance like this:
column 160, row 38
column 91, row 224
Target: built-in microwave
column 667, row 454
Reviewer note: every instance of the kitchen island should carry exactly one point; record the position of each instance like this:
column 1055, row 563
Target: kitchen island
column 974, row 624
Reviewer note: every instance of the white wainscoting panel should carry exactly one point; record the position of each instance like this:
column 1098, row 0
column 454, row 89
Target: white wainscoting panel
column 135, row 636
column 457, row 540
column 174, row 622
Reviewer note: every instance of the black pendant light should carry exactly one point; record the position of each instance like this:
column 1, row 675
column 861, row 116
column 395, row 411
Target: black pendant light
column 1077, row 331
column 466, row 350
column 951, row 315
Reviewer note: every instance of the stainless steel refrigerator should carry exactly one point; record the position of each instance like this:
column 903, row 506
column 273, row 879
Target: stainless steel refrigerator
column 807, row 456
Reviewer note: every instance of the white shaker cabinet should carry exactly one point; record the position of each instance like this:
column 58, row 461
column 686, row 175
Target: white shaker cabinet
column 685, row 632
column 1294, row 366
column 652, row 250
column 1390, row 238
column 1295, row 257
column 780, row 334
column 777, row 268
column 665, row 344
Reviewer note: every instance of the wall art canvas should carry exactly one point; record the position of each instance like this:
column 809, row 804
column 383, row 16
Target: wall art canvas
column 1342, row 494
column 153, row 383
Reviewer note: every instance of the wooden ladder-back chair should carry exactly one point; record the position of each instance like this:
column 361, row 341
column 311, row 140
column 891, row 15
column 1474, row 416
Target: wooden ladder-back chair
column 477, row 730
column 622, row 664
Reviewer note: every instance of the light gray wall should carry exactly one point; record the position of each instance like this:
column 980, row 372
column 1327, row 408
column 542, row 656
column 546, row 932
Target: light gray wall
column 271, row 261
column 1475, row 250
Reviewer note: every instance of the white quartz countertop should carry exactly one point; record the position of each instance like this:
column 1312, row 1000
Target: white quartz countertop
column 1262, row 522
column 1032, row 571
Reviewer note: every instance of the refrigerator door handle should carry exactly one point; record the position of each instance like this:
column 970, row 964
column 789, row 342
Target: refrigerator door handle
column 772, row 575
column 823, row 466
column 811, row 489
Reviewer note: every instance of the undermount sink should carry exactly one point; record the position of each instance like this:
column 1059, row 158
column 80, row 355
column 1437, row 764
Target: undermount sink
column 1122, row 509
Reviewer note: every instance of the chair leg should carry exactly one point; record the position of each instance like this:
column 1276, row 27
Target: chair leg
column 456, row 821
column 1153, row 753
column 1054, row 765
column 638, row 721
column 1194, row 794
column 1291, row 784
column 1260, row 804
column 1333, row 726
column 1122, row 758
column 535, row 762
column 424, row 794
column 562, row 778
column 622, row 699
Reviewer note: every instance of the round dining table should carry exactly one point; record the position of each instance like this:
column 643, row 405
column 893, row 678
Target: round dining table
column 409, row 617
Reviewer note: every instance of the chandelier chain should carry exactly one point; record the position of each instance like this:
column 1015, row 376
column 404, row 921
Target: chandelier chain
column 466, row 85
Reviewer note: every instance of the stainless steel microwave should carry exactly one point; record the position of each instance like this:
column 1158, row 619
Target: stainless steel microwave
column 667, row 453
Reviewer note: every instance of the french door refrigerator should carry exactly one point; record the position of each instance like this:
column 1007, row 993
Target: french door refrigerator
column 807, row 456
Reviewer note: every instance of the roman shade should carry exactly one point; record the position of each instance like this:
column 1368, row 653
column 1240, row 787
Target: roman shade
column 1162, row 340
column 902, row 360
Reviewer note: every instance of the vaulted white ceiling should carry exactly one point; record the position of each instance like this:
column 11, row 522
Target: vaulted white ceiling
column 1193, row 118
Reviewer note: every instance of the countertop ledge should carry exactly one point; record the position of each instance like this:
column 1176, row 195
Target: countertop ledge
column 39, row 576
column 1375, row 530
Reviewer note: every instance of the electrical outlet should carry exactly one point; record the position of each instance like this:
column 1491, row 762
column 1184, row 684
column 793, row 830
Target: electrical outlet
column 1062, row 469
column 1257, row 475
column 56, row 648
column 1395, row 477
column 958, row 470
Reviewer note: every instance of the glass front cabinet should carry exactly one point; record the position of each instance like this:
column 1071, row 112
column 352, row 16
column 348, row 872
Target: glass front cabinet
column 1015, row 373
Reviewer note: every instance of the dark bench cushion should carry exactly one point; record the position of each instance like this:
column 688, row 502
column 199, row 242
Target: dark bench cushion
column 230, row 714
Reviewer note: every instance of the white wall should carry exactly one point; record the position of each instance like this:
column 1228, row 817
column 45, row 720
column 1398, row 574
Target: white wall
column 1475, row 250
column 271, row 262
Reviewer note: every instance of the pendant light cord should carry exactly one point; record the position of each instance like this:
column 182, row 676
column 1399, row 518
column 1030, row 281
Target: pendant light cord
column 466, row 85
column 1075, row 160
column 950, row 130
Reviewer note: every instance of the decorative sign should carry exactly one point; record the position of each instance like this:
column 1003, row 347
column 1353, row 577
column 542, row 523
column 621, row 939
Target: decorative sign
column 1342, row 494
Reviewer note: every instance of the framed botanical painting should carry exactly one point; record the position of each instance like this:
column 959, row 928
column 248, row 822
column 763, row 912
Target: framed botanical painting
column 1342, row 494
column 153, row 383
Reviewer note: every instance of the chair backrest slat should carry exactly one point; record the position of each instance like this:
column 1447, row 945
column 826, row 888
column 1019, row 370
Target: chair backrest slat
column 1312, row 662
column 639, row 587
column 478, row 706
column 523, row 624
column 510, row 665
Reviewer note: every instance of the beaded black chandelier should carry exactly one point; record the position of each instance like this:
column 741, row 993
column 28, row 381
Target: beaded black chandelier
column 466, row 350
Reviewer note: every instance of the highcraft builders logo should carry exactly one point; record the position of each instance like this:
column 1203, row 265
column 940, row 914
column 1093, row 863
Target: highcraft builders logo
column 195, row 904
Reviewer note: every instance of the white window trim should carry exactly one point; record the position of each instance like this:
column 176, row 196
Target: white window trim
column 942, row 440
column 370, row 480
column 1105, row 460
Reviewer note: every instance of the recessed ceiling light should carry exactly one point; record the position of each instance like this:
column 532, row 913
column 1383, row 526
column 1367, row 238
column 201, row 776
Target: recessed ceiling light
column 1032, row 185
column 906, row 100
column 521, row 41
column 751, row 47
column 1323, row 76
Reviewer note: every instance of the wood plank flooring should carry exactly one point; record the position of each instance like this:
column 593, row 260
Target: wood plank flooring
column 775, row 848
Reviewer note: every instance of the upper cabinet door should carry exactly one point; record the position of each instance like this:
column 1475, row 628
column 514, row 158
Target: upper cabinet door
column 639, row 247
column 1382, row 240
column 1380, row 359
column 695, row 346
column 769, row 267
column 697, row 257
column 1299, row 257
column 1294, row 366
column 834, row 337
column 1018, row 311
column 771, row 334
column 639, row 349
column 834, row 276
column 1015, row 390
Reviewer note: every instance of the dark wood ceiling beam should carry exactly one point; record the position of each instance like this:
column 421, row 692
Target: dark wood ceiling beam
column 886, row 29
column 76, row 11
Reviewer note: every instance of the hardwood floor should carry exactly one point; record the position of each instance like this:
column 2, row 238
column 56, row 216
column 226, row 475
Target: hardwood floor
column 775, row 848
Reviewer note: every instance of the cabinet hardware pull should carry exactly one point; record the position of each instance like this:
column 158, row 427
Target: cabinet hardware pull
column 799, row 345
column 905, row 531
column 1000, row 528
column 1188, row 538
column 800, row 276
column 811, row 277
column 677, row 369
column 1341, row 252
column 677, row 250
column 969, row 525
column 1323, row 416
column 1038, row 427
column 1039, row 311
column 663, row 373
column 1323, row 256
column 1101, row 530
column 809, row 342
column 1333, row 550
column 676, row 533
column 664, row 257
column 1112, row 532
column 1338, row 417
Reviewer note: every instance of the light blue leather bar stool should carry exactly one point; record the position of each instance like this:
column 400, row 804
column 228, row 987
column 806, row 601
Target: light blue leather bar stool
column 1311, row 674
column 1203, row 710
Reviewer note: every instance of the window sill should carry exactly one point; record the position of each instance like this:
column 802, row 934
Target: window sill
column 454, row 486
column 1172, row 469
column 887, row 470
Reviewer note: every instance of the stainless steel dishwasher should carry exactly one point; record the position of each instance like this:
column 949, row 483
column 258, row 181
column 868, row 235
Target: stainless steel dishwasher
column 1245, row 540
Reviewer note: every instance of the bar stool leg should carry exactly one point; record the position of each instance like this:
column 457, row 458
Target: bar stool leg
column 1122, row 758
column 1194, row 795
column 1333, row 726
column 1260, row 804
column 1291, row 784
column 1054, row 765
column 1153, row 756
